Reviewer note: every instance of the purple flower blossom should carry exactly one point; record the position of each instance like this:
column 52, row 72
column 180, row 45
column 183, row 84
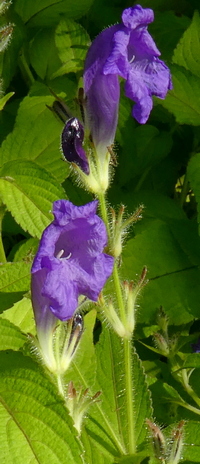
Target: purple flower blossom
column 125, row 50
column 69, row 262
column 72, row 139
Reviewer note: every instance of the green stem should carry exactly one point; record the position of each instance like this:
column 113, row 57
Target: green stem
column 189, row 407
column 104, row 213
column 184, row 191
column 2, row 252
column 119, row 295
column 25, row 70
column 129, row 396
column 189, row 389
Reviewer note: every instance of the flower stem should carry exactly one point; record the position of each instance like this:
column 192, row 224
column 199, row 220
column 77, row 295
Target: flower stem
column 104, row 213
column 119, row 296
column 129, row 396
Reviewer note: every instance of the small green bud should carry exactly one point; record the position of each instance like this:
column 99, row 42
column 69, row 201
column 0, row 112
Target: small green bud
column 78, row 404
column 157, row 440
column 177, row 444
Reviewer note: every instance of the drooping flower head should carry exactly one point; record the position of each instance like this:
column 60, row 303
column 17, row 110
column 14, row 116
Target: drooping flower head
column 126, row 50
column 70, row 261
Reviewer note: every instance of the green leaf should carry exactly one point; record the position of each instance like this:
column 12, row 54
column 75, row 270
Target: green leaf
column 43, row 53
column 145, row 147
column 186, row 53
column 11, row 338
column 191, row 449
column 184, row 100
column 166, row 30
column 193, row 172
column 14, row 282
column 90, row 451
column 24, row 250
column 24, row 186
column 35, row 425
column 21, row 315
column 48, row 12
column 192, row 361
column 36, row 136
column 4, row 99
column 72, row 43
column 173, row 278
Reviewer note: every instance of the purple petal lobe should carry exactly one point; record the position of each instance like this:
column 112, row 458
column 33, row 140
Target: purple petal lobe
column 72, row 139
column 71, row 259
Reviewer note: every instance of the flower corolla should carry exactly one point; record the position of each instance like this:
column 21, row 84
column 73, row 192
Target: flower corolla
column 70, row 262
column 126, row 50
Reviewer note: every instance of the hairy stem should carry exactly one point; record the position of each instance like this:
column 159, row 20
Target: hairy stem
column 129, row 396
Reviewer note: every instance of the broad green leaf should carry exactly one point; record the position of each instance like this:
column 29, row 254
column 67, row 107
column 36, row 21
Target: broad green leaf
column 166, row 30
column 4, row 99
column 145, row 147
column 90, row 451
column 184, row 100
column 72, row 42
column 11, row 338
column 186, row 53
column 43, row 53
column 14, row 282
column 191, row 448
column 36, row 136
column 173, row 278
column 24, row 251
column 35, row 425
column 21, row 315
column 107, row 422
column 192, row 360
column 24, row 186
column 193, row 173
column 48, row 12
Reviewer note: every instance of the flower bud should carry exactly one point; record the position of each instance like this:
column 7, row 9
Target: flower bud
column 177, row 444
column 157, row 440
column 78, row 404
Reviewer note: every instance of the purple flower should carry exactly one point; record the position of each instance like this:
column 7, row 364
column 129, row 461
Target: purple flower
column 125, row 50
column 70, row 262
column 72, row 139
